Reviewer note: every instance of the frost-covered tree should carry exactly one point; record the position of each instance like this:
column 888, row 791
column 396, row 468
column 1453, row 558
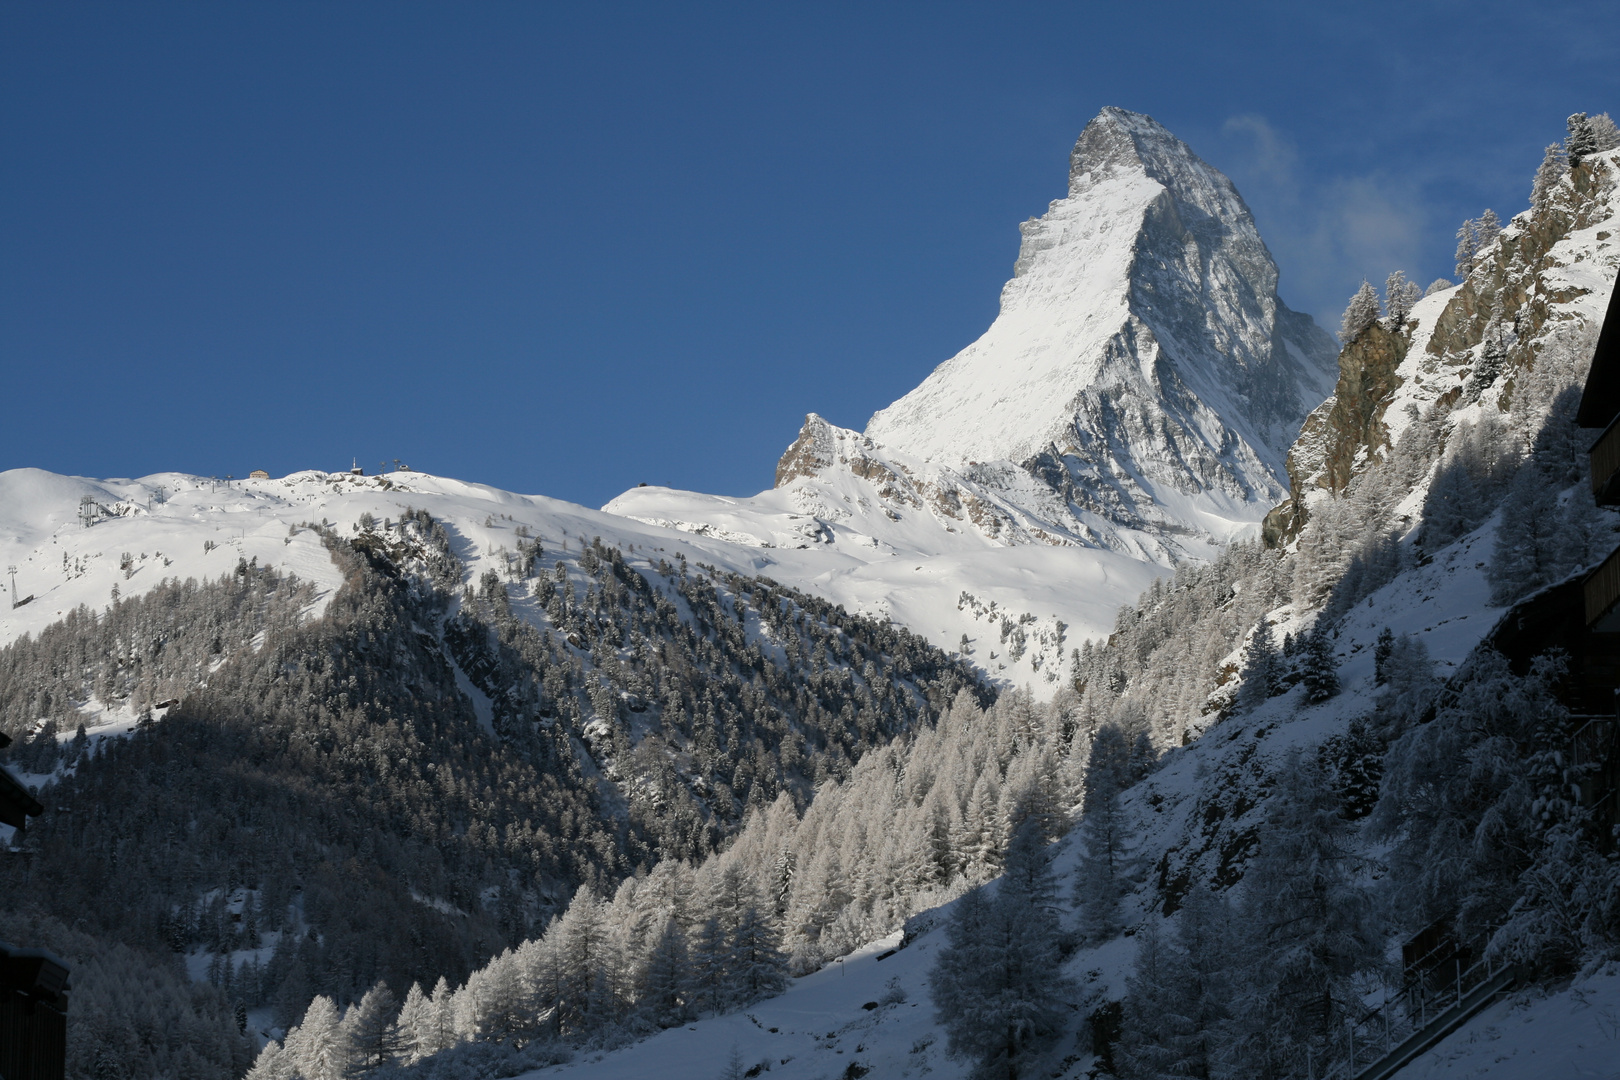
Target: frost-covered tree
column 1439, row 284
column 1306, row 926
column 413, row 1024
column 758, row 967
column 1473, row 237
column 1262, row 668
column 1458, row 797
column 1318, row 670
column 273, row 1063
column 1605, row 135
column 373, row 1035
column 1100, row 879
column 1176, row 1009
column 1361, row 313
column 1467, row 254
column 1381, row 650
column 666, row 991
column 1529, row 540
column 320, row 1047
column 1399, row 297
column 997, row 988
column 1554, row 164
column 1581, row 141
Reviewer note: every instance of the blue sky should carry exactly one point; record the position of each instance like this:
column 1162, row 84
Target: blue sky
column 568, row 248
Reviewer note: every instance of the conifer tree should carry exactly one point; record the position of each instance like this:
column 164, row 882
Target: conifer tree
column 666, row 988
column 1361, row 313
column 1381, row 650
column 1605, row 135
column 1582, row 140
column 1467, row 254
column 1529, row 540
column 372, row 1032
column 1399, row 297
column 996, row 986
column 1262, row 669
column 1318, row 670
column 757, row 966
column 319, row 1046
column 1306, row 926
column 414, row 1025
column 1554, row 164
column 1101, row 877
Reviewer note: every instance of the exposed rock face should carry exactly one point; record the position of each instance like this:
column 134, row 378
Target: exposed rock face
column 1142, row 365
column 811, row 452
column 1341, row 432
column 1524, row 286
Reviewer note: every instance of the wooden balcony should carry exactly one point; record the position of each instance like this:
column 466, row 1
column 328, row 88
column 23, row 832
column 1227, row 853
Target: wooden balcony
column 1605, row 458
column 1602, row 589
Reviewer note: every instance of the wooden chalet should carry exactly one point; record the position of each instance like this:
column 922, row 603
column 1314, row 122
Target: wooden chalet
column 1600, row 408
column 1581, row 616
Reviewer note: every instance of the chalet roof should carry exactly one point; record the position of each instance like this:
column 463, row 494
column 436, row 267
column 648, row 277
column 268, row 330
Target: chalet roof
column 1600, row 401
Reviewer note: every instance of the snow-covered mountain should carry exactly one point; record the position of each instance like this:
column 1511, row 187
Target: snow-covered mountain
column 1141, row 356
column 1129, row 409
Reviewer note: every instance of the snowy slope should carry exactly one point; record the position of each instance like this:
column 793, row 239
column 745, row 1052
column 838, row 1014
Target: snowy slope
column 177, row 526
column 1571, row 1032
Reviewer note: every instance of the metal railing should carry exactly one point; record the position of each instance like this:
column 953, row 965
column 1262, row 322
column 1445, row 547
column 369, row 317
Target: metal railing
column 1428, row 1007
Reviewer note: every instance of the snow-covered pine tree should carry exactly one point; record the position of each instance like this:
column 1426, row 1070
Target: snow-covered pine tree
column 1101, row 877
column 1582, row 140
column 1176, row 1009
column 1605, row 135
column 1317, row 669
column 1262, row 669
column 1399, row 297
column 319, row 1046
column 273, row 1063
column 1381, row 650
column 373, row 1035
column 1306, row 927
column 1150, row 1021
column 758, row 968
column 1361, row 313
column 1439, row 284
column 1529, row 539
column 413, row 1024
column 1457, row 799
column 666, row 982
column 1554, row 164
column 1467, row 254
column 997, row 986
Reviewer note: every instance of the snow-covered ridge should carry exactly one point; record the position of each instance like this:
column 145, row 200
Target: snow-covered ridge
column 173, row 525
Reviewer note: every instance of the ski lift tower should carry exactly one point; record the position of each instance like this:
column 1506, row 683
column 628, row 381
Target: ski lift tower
column 12, row 570
column 88, row 510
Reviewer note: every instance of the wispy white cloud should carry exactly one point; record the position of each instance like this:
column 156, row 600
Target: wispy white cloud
column 1327, row 233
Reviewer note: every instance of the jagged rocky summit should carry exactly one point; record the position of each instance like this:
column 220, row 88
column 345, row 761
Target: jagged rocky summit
column 1138, row 391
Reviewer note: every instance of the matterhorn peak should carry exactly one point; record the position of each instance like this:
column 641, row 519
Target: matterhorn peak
column 1129, row 409
column 1142, row 362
